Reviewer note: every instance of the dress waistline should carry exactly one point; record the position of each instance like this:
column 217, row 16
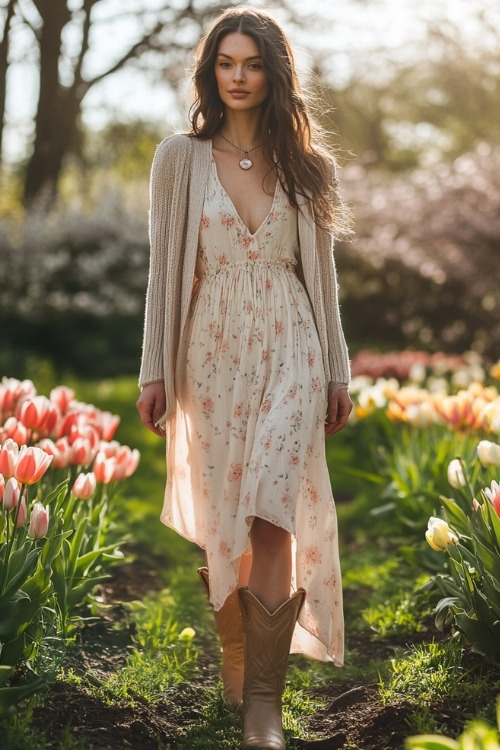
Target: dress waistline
column 278, row 264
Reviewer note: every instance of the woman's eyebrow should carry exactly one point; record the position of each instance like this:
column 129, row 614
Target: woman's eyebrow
column 254, row 57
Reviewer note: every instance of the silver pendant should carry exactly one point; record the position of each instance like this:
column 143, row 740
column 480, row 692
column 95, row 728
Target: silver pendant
column 246, row 163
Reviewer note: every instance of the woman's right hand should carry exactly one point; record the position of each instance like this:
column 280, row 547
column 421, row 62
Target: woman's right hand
column 151, row 406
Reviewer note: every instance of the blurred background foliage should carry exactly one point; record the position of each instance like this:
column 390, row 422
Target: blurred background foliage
column 418, row 136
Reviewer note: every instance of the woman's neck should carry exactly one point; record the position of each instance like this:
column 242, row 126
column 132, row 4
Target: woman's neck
column 242, row 128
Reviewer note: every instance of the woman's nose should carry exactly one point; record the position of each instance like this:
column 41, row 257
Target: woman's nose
column 239, row 73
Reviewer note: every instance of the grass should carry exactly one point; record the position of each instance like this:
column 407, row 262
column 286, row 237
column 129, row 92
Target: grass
column 384, row 599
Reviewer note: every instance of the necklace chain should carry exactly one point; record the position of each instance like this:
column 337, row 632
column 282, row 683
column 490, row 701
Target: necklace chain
column 246, row 151
column 246, row 162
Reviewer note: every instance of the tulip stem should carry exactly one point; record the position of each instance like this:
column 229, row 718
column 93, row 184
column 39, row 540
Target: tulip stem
column 10, row 540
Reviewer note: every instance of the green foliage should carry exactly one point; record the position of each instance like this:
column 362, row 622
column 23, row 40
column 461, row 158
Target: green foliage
column 477, row 736
column 430, row 673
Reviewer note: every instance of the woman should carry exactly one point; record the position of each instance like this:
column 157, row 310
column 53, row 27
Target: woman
column 245, row 367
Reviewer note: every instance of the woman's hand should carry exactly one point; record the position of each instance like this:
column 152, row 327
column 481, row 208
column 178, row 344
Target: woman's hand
column 151, row 406
column 339, row 408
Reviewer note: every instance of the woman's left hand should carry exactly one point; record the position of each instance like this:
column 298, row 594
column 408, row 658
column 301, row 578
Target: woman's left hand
column 339, row 408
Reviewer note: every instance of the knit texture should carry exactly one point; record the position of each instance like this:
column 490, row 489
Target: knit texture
column 177, row 188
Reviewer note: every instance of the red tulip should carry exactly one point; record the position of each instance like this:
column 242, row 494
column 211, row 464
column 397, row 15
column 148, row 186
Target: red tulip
column 82, row 453
column 32, row 463
column 107, row 424
column 15, row 430
column 104, row 468
column 39, row 521
column 84, row 486
column 32, row 412
column 11, row 391
column 9, row 452
column 127, row 461
column 63, row 397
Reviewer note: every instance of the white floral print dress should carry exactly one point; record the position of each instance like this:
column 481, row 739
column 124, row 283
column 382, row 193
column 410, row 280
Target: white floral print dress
column 248, row 438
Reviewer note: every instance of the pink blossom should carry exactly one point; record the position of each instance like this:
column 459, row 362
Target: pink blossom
column 34, row 412
column 39, row 521
column 15, row 430
column 31, row 465
column 9, row 452
column 11, row 391
column 11, row 493
column 106, row 424
column 2, row 486
column 207, row 404
column 127, row 461
column 63, row 397
column 104, row 468
column 234, row 473
column 81, row 451
column 84, row 486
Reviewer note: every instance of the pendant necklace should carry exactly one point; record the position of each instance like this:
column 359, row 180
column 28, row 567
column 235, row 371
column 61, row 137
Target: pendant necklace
column 246, row 162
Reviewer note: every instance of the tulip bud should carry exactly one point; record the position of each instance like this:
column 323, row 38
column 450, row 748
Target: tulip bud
column 439, row 535
column 2, row 486
column 456, row 476
column 492, row 493
column 488, row 453
column 21, row 513
column 39, row 521
column 11, row 493
column 84, row 486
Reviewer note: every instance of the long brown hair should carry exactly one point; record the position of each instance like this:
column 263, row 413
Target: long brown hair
column 292, row 140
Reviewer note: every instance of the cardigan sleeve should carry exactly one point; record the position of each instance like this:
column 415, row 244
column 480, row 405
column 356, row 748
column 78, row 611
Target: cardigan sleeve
column 338, row 357
column 340, row 371
column 168, row 175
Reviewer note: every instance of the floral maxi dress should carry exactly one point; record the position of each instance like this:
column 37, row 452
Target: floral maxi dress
column 247, row 439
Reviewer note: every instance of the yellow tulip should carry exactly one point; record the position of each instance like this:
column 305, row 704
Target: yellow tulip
column 439, row 536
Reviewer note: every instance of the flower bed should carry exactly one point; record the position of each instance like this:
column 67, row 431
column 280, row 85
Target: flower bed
column 60, row 469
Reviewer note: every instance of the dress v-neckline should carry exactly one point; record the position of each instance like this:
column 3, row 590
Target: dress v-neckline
column 264, row 221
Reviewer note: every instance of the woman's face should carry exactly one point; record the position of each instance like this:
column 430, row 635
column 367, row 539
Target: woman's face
column 241, row 79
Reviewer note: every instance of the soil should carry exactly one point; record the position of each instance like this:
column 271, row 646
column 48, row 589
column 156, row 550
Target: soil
column 353, row 716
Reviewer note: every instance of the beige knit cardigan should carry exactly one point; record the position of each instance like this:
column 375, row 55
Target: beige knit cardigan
column 177, row 189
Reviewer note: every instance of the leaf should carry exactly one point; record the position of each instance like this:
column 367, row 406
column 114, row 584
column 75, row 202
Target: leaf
column 11, row 696
column 5, row 672
column 455, row 515
column 430, row 742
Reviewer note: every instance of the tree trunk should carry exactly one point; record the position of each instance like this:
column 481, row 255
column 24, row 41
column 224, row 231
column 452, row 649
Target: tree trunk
column 4, row 62
column 52, row 128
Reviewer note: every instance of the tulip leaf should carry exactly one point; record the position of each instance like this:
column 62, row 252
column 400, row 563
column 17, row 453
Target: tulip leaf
column 455, row 515
column 5, row 672
column 488, row 558
column 430, row 742
column 78, row 593
column 11, row 696
column 484, row 639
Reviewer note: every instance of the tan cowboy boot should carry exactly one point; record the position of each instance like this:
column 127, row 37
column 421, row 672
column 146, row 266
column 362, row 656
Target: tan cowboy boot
column 229, row 627
column 267, row 645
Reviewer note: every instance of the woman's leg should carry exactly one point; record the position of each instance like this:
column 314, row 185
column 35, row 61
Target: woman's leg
column 271, row 570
